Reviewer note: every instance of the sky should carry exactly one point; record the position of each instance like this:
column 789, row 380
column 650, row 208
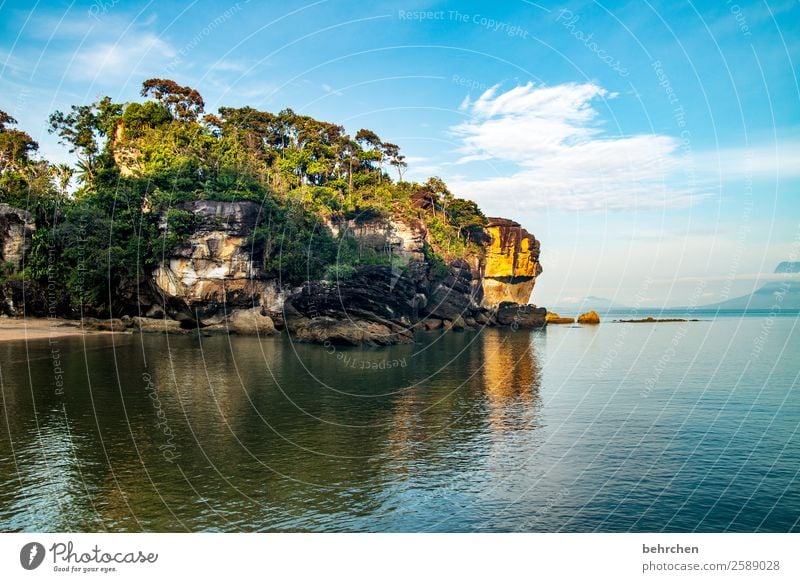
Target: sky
column 652, row 147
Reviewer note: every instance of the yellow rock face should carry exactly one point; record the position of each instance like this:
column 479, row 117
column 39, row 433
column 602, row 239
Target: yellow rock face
column 555, row 318
column 512, row 263
column 590, row 317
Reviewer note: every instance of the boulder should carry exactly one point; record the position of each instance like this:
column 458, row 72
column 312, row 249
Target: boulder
column 328, row 330
column 150, row 325
column 433, row 323
column 379, row 306
column 528, row 316
column 93, row 324
column 555, row 318
column 454, row 295
column 589, row 318
column 251, row 322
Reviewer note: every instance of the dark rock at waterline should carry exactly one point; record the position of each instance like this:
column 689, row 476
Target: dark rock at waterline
column 529, row 316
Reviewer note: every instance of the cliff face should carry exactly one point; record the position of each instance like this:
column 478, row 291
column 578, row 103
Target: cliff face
column 216, row 275
column 16, row 229
column 216, row 279
column 405, row 241
column 16, row 232
column 383, row 305
column 215, row 271
column 512, row 263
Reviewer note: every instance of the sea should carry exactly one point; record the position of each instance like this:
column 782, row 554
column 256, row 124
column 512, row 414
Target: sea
column 688, row 426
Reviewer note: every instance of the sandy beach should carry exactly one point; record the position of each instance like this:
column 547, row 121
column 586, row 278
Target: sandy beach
column 34, row 328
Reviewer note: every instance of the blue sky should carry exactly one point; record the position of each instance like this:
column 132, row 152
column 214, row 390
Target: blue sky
column 653, row 148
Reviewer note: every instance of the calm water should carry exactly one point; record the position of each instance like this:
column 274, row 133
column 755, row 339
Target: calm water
column 618, row 427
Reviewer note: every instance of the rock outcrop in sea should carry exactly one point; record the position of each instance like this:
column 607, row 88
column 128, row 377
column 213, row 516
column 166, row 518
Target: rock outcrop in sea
column 512, row 263
column 556, row 319
column 590, row 318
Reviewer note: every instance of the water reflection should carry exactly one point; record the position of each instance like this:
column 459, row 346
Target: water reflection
column 474, row 432
column 174, row 433
column 511, row 376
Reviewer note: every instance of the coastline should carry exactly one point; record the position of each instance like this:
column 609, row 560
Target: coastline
column 36, row 328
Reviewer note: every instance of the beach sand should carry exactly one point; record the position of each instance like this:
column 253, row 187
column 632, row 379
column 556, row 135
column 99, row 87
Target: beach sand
column 35, row 328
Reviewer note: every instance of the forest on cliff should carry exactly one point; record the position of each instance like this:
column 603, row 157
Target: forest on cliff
column 137, row 161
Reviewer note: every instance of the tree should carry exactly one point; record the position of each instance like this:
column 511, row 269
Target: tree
column 62, row 173
column 184, row 103
column 396, row 159
column 348, row 155
column 439, row 192
column 15, row 145
column 23, row 181
column 84, row 130
column 371, row 149
column 6, row 119
column 140, row 117
column 467, row 217
column 366, row 137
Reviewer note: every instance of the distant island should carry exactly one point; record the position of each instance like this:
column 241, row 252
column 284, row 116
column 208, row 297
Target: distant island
column 775, row 295
column 247, row 221
column 788, row 267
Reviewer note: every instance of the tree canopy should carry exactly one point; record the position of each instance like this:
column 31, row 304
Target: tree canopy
column 135, row 161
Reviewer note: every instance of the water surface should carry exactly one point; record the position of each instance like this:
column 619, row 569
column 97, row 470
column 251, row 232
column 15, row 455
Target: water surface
column 616, row 427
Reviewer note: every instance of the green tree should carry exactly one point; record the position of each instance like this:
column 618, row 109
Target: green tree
column 15, row 146
column 85, row 130
column 396, row 159
column 24, row 181
column 184, row 103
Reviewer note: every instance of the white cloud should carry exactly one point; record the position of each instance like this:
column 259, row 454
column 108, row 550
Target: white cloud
column 563, row 158
column 134, row 56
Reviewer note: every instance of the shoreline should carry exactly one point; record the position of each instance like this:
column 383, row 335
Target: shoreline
column 38, row 328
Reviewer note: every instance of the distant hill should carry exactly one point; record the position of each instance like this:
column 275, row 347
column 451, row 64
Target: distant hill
column 766, row 297
column 788, row 267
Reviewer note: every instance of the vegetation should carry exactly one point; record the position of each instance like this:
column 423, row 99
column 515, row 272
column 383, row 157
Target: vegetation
column 100, row 224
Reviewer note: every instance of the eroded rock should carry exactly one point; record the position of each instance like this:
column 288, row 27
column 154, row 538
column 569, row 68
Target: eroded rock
column 511, row 265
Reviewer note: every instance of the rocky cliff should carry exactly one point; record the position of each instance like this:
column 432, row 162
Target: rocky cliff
column 16, row 229
column 16, row 232
column 215, row 279
column 218, row 273
column 511, row 264
column 383, row 305
column 215, row 271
